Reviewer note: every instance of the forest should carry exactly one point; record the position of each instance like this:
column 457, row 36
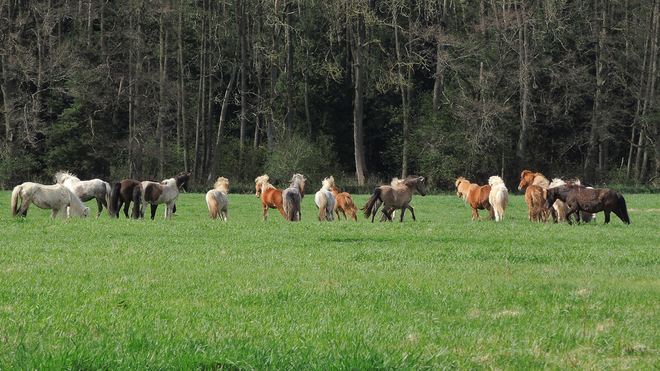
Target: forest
column 364, row 90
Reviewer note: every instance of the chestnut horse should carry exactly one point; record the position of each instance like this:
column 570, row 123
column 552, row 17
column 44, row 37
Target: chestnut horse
column 344, row 203
column 393, row 198
column 477, row 196
column 292, row 198
column 592, row 200
column 535, row 194
column 122, row 194
column 271, row 198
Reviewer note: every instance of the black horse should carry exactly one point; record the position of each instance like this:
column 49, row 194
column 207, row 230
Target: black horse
column 592, row 200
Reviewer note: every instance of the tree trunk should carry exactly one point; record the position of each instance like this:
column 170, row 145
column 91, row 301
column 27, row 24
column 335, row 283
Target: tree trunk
column 221, row 124
column 288, row 32
column 523, row 78
column 404, row 89
column 181, row 105
column 358, row 107
column 201, row 101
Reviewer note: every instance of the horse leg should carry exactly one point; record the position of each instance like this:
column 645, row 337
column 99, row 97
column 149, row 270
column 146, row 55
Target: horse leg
column 607, row 216
column 475, row 214
column 403, row 211
column 153, row 211
column 54, row 214
column 412, row 211
column 100, row 205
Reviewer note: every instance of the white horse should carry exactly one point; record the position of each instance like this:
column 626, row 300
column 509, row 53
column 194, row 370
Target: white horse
column 325, row 200
column 216, row 199
column 56, row 197
column 86, row 189
column 498, row 196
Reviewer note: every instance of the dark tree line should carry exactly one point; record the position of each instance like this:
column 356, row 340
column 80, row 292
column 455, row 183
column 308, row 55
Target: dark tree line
column 360, row 89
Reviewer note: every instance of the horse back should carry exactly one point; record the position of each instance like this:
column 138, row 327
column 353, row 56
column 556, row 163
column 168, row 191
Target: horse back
column 272, row 197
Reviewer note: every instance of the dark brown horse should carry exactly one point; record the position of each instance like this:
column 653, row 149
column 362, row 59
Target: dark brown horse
column 393, row 198
column 592, row 200
column 121, row 194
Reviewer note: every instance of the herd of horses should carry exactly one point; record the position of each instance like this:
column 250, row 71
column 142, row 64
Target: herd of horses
column 561, row 199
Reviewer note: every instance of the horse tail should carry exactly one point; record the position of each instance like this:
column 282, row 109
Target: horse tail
column 137, row 202
column 113, row 200
column 108, row 191
column 14, row 199
column 212, row 204
column 370, row 203
column 291, row 206
column 322, row 204
column 623, row 210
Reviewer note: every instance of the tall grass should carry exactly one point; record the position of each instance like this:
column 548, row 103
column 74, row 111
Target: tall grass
column 441, row 292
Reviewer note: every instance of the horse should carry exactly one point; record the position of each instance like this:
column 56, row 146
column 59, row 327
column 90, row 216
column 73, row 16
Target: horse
column 344, row 203
column 292, row 198
column 535, row 194
column 475, row 195
column 395, row 182
column 216, row 199
column 585, row 216
column 325, row 200
column 498, row 196
column 86, row 189
column 559, row 208
column 154, row 193
column 271, row 198
column 392, row 198
column 55, row 197
column 591, row 200
column 122, row 194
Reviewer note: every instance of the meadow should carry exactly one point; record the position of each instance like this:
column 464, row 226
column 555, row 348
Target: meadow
column 438, row 293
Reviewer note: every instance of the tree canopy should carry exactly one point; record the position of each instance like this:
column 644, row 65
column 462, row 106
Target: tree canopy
column 362, row 90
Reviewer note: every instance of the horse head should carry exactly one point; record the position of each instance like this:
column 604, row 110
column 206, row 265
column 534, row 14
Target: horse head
column 421, row 187
column 328, row 183
column 182, row 181
column 459, row 187
column 222, row 185
column 298, row 181
column 335, row 190
column 551, row 197
column 495, row 181
column 526, row 178
column 61, row 176
column 259, row 183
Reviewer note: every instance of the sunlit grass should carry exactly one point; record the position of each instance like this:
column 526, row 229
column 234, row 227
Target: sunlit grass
column 442, row 292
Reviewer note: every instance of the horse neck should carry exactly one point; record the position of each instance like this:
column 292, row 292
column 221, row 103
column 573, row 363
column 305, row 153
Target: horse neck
column 540, row 180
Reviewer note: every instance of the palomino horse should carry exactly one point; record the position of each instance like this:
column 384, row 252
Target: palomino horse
column 292, row 198
column 56, row 197
column 476, row 196
column 498, row 196
column 154, row 193
column 344, row 203
column 216, row 199
column 580, row 198
column 271, row 198
column 325, row 200
column 535, row 194
column 86, row 189
column 398, row 197
column 122, row 194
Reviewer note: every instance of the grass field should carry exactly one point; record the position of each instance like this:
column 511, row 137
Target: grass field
column 439, row 293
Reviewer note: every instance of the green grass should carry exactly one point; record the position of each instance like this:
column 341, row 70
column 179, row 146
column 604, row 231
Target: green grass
column 439, row 293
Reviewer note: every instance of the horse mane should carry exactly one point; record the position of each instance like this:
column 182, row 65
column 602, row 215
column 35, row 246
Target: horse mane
column 170, row 182
column 461, row 180
column 222, row 185
column 556, row 182
column 495, row 181
column 62, row 175
column 410, row 180
column 540, row 180
column 328, row 183
column 263, row 180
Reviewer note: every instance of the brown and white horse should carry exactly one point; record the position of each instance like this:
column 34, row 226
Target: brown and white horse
column 393, row 198
column 122, row 194
column 154, row 193
column 216, row 199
